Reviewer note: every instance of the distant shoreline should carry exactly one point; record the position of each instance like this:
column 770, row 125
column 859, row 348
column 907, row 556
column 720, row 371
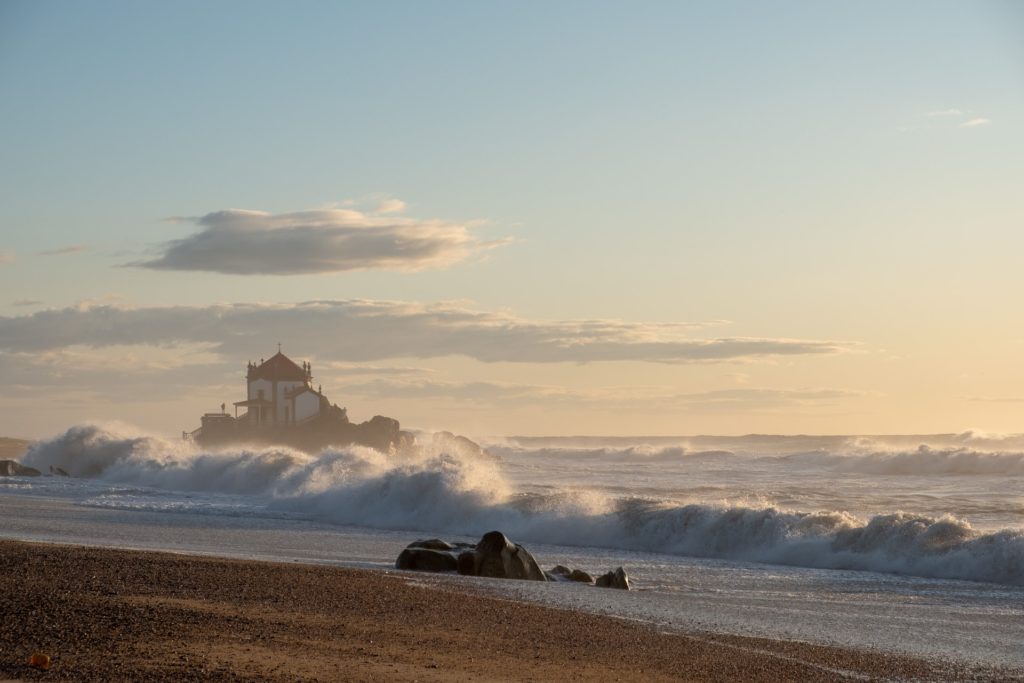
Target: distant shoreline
column 103, row 613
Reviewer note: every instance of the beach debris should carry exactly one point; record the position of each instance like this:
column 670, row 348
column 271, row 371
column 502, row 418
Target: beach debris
column 13, row 468
column 38, row 660
column 614, row 579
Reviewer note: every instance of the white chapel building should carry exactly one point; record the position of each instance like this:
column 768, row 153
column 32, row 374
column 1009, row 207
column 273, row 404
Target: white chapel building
column 281, row 393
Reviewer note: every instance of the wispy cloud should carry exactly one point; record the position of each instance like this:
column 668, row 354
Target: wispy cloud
column 71, row 249
column 26, row 302
column 391, row 206
column 625, row 397
column 944, row 112
column 973, row 123
column 327, row 240
column 368, row 330
column 996, row 399
column 344, row 369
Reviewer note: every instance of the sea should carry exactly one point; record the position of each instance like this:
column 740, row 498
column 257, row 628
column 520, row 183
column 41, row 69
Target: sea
column 902, row 544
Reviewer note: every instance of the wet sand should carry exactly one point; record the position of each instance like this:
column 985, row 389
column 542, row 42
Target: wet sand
column 114, row 615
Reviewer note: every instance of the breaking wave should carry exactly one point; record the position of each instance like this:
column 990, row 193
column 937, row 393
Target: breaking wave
column 925, row 460
column 633, row 453
column 437, row 492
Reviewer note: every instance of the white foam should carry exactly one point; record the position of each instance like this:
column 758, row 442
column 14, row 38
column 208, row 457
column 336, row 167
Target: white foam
column 439, row 492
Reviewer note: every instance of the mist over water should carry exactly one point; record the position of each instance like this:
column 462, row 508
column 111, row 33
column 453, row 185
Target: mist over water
column 946, row 506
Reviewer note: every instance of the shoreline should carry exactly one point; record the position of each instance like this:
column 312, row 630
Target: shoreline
column 107, row 614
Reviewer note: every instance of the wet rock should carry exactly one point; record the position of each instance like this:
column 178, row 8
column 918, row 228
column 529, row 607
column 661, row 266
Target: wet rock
column 13, row 468
column 614, row 579
column 426, row 560
column 562, row 573
column 496, row 557
column 460, row 445
column 432, row 544
column 60, row 472
column 499, row 558
column 580, row 576
column 466, row 563
column 381, row 433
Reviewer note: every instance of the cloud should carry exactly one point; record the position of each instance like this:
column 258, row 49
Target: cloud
column 750, row 397
column 973, row 123
column 391, row 206
column 359, row 369
column 6, row 256
column 945, row 112
column 622, row 397
column 996, row 399
column 26, row 302
column 368, row 330
column 490, row 392
column 72, row 249
column 109, row 372
column 328, row 240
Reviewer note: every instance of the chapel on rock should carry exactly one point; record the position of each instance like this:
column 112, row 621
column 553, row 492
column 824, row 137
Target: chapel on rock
column 282, row 407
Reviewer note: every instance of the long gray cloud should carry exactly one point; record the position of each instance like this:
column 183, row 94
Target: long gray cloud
column 243, row 242
column 60, row 251
column 497, row 392
column 367, row 330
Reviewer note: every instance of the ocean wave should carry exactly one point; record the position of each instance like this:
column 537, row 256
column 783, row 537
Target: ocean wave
column 634, row 453
column 438, row 492
column 924, row 460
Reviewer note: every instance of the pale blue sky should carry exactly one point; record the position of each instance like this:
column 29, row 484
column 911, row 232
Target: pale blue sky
column 782, row 166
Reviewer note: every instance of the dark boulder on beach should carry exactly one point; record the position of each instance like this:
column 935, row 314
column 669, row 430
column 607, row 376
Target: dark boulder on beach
column 58, row 471
column 562, row 573
column 580, row 576
column 13, row 468
column 614, row 579
column 432, row 544
column 499, row 558
column 426, row 560
column 495, row 557
column 466, row 563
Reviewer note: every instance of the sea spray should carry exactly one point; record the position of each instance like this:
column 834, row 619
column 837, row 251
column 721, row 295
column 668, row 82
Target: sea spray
column 435, row 491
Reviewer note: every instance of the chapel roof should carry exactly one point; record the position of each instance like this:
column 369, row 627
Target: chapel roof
column 278, row 367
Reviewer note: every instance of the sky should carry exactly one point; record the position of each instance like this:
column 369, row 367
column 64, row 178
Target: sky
column 532, row 218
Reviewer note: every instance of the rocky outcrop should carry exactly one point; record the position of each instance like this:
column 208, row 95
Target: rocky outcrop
column 496, row 557
column 426, row 560
column 614, row 579
column 13, row 468
column 460, row 445
column 493, row 556
column 58, row 471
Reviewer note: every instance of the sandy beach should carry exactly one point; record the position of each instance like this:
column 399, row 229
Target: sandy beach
column 107, row 615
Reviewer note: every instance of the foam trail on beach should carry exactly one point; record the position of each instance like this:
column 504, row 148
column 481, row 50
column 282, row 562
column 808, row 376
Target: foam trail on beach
column 440, row 492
